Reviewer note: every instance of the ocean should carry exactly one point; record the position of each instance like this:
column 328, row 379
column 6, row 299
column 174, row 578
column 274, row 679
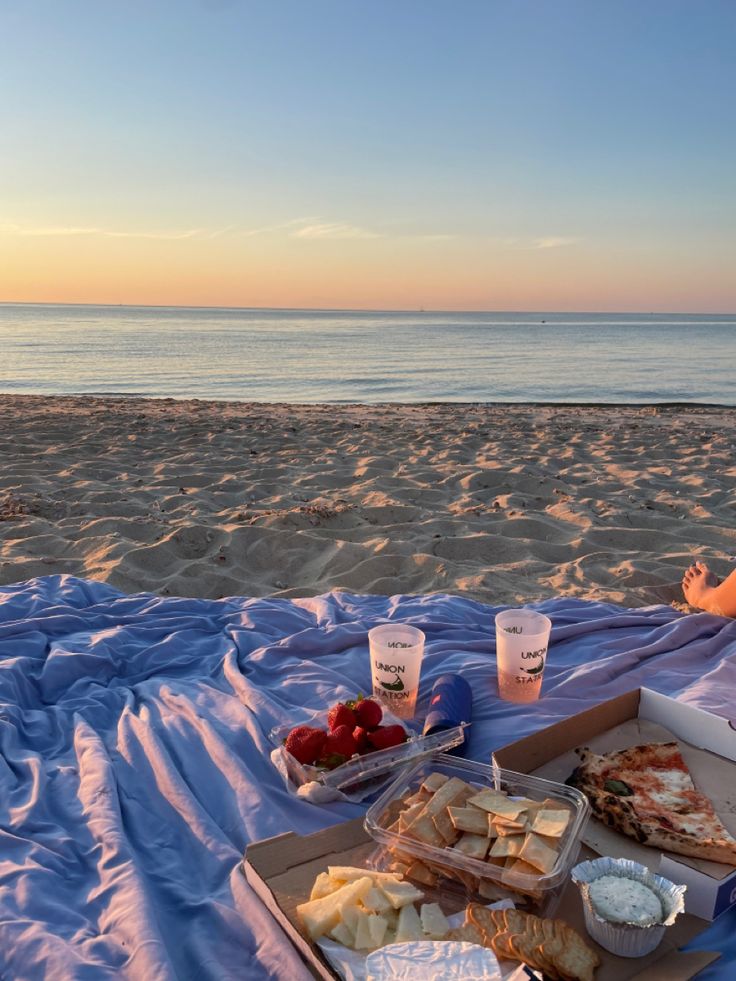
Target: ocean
column 359, row 356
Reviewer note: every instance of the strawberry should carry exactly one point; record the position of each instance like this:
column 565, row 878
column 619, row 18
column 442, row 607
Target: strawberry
column 361, row 738
column 305, row 744
column 368, row 713
column 339, row 746
column 384, row 737
column 341, row 715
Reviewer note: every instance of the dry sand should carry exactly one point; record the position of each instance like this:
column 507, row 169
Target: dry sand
column 504, row 503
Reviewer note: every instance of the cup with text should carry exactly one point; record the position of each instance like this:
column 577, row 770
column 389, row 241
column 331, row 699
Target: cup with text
column 396, row 651
column 522, row 639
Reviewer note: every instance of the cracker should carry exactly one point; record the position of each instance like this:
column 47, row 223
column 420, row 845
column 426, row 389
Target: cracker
column 445, row 827
column 474, row 846
column 423, row 829
column 468, row 933
column 501, row 947
column 410, row 814
column 537, row 853
column 524, row 948
column 484, row 919
column 551, row 823
column 444, row 796
column 469, row 819
column 420, row 872
column 518, row 865
column 420, row 797
column 502, row 829
column 497, row 803
column 433, row 782
column 508, row 845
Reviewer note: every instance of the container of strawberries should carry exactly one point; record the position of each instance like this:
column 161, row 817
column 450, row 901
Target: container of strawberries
column 349, row 750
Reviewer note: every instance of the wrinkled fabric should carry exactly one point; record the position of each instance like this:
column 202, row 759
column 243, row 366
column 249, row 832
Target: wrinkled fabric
column 134, row 753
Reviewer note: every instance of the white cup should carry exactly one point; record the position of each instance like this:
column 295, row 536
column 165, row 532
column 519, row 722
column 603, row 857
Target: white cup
column 396, row 651
column 522, row 639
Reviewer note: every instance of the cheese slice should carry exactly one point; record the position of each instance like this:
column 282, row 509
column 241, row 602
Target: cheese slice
column 346, row 873
column 434, row 921
column 321, row 915
column 401, row 894
column 370, row 932
column 343, row 935
column 323, row 886
column 376, row 901
column 409, row 926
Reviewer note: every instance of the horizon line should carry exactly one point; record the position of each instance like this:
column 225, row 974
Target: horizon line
column 179, row 306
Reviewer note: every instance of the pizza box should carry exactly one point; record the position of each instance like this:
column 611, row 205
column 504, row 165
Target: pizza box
column 281, row 872
column 708, row 745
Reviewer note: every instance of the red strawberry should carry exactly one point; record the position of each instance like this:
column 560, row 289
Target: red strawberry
column 339, row 746
column 361, row 738
column 341, row 715
column 368, row 713
column 305, row 744
column 384, row 737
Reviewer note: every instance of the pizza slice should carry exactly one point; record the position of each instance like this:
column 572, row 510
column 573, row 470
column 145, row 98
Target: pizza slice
column 647, row 793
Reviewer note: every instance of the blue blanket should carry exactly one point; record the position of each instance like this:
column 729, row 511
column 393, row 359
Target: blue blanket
column 134, row 763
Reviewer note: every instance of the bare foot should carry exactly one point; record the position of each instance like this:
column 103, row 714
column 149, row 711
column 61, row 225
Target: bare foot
column 698, row 584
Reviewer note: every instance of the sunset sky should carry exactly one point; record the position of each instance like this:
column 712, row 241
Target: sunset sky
column 479, row 154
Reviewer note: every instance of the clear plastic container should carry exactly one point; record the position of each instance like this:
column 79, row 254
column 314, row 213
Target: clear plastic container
column 362, row 776
column 538, row 892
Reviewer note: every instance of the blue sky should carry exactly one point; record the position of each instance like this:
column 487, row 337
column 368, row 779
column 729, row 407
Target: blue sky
column 448, row 142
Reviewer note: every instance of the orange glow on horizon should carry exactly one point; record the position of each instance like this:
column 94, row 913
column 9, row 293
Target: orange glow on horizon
column 370, row 273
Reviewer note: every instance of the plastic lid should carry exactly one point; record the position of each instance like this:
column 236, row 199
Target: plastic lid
column 385, row 760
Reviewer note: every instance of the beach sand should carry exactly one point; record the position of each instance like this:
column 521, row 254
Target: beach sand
column 506, row 504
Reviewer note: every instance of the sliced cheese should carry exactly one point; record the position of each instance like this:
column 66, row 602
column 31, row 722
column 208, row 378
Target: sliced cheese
column 321, row 915
column 343, row 935
column 434, row 921
column 323, row 886
column 409, row 926
column 376, row 901
column 401, row 894
column 370, row 931
column 346, row 873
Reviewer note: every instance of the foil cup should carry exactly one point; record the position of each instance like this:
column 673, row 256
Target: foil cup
column 627, row 939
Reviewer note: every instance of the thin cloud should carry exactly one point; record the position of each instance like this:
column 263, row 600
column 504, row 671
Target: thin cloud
column 265, row 229
column 333, row 230
column 76, row 230
column 553, row 242
column 533, row 245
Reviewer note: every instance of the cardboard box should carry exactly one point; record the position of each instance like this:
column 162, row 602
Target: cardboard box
column 708, row 745
column 282, row 870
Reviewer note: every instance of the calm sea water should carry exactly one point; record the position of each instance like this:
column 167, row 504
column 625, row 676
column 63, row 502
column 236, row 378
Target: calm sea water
column 347, row 356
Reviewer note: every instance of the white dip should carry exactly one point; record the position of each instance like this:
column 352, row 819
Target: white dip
column 621, row 900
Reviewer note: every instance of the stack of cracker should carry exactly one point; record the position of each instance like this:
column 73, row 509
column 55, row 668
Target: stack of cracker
column 546, row 945
column 520, row 839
